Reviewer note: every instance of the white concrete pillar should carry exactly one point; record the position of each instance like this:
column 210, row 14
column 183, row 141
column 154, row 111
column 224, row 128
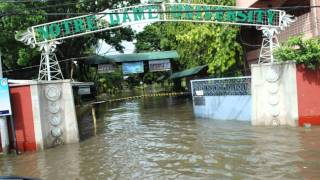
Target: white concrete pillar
column 69, row 113
column 274, row 94
column 36, row 111
column 4, row 135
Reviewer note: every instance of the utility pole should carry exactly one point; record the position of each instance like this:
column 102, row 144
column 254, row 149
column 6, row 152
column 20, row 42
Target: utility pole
column 3, row 123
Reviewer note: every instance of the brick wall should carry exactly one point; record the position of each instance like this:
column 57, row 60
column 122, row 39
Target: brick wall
column 302, row 25
column 259, row 3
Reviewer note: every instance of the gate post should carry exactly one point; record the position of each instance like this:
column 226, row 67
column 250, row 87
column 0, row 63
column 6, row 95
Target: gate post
column 274, row 94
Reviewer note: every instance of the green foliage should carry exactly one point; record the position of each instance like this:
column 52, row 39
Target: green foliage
column 111, row 82
column 25, row 54
column 16, row 54
column 149, row 39
column 197, row 44
column 105, row 83
column 215, row 46
column 301, row 51
column 152, row 77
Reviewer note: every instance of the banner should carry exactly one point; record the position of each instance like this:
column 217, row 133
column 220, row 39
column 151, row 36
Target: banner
column 84, row 90
column 160, row 65
column 5, row 105
column 106, row 68
column 132, row 68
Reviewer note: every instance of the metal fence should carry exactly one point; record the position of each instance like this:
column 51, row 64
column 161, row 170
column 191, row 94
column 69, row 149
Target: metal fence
column 235, row 86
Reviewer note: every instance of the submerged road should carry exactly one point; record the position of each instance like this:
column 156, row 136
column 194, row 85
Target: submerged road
column 159, row 138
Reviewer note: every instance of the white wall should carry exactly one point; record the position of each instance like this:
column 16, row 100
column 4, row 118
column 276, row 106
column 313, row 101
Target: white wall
column 223, row 107
column 42, row 114
column 274, row 94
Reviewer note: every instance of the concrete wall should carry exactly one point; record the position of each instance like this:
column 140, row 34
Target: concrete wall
column 55, row 110
column 274, row 94
column 44, row 114
column 223, row 107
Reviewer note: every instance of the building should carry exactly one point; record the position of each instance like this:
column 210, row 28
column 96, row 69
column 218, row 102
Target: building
column 308, row 23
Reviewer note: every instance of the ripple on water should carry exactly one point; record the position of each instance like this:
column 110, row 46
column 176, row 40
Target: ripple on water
column 160, row 139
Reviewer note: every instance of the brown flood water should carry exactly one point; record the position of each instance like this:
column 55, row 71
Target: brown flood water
column 159, row 138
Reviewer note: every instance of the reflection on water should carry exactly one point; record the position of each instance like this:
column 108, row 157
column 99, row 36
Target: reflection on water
column 160, row 139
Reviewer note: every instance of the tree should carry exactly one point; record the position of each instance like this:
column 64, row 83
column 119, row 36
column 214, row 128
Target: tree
column 15, row 53
column 20, row 16
column 197, row 44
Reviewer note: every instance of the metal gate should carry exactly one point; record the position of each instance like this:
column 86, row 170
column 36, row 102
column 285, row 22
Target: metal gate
column 222, row 98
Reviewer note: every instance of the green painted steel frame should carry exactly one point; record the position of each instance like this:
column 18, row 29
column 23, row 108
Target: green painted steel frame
column 177, row 12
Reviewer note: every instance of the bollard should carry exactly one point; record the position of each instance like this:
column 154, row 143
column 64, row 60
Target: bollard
column 94, row 118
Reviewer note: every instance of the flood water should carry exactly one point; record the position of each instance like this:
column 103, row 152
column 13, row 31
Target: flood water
column 158, row 138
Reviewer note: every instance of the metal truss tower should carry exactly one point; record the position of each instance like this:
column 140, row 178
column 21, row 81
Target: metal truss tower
column 267, row 49
column 49, row 65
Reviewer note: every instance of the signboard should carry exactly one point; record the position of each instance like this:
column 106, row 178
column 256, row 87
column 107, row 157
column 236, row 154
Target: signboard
column 84, row 90
column 5, row 105
column 199, row 93
column 223, row 14
column 132, row 68
column 110, row 19
column 106, row 68
column 160, row 65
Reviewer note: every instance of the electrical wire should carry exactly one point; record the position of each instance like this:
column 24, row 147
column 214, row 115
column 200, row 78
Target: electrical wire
column 31, row 67
column 52, row 6
column 64, row 60
column 160, row 12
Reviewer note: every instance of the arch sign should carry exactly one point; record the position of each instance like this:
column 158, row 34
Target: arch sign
column 115, row 18
column 47, row 36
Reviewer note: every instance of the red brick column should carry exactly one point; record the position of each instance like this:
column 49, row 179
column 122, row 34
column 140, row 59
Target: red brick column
column 23, row 118
column 308, row 88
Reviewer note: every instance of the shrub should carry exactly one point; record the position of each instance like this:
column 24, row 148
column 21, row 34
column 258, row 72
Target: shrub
column 301, row 51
